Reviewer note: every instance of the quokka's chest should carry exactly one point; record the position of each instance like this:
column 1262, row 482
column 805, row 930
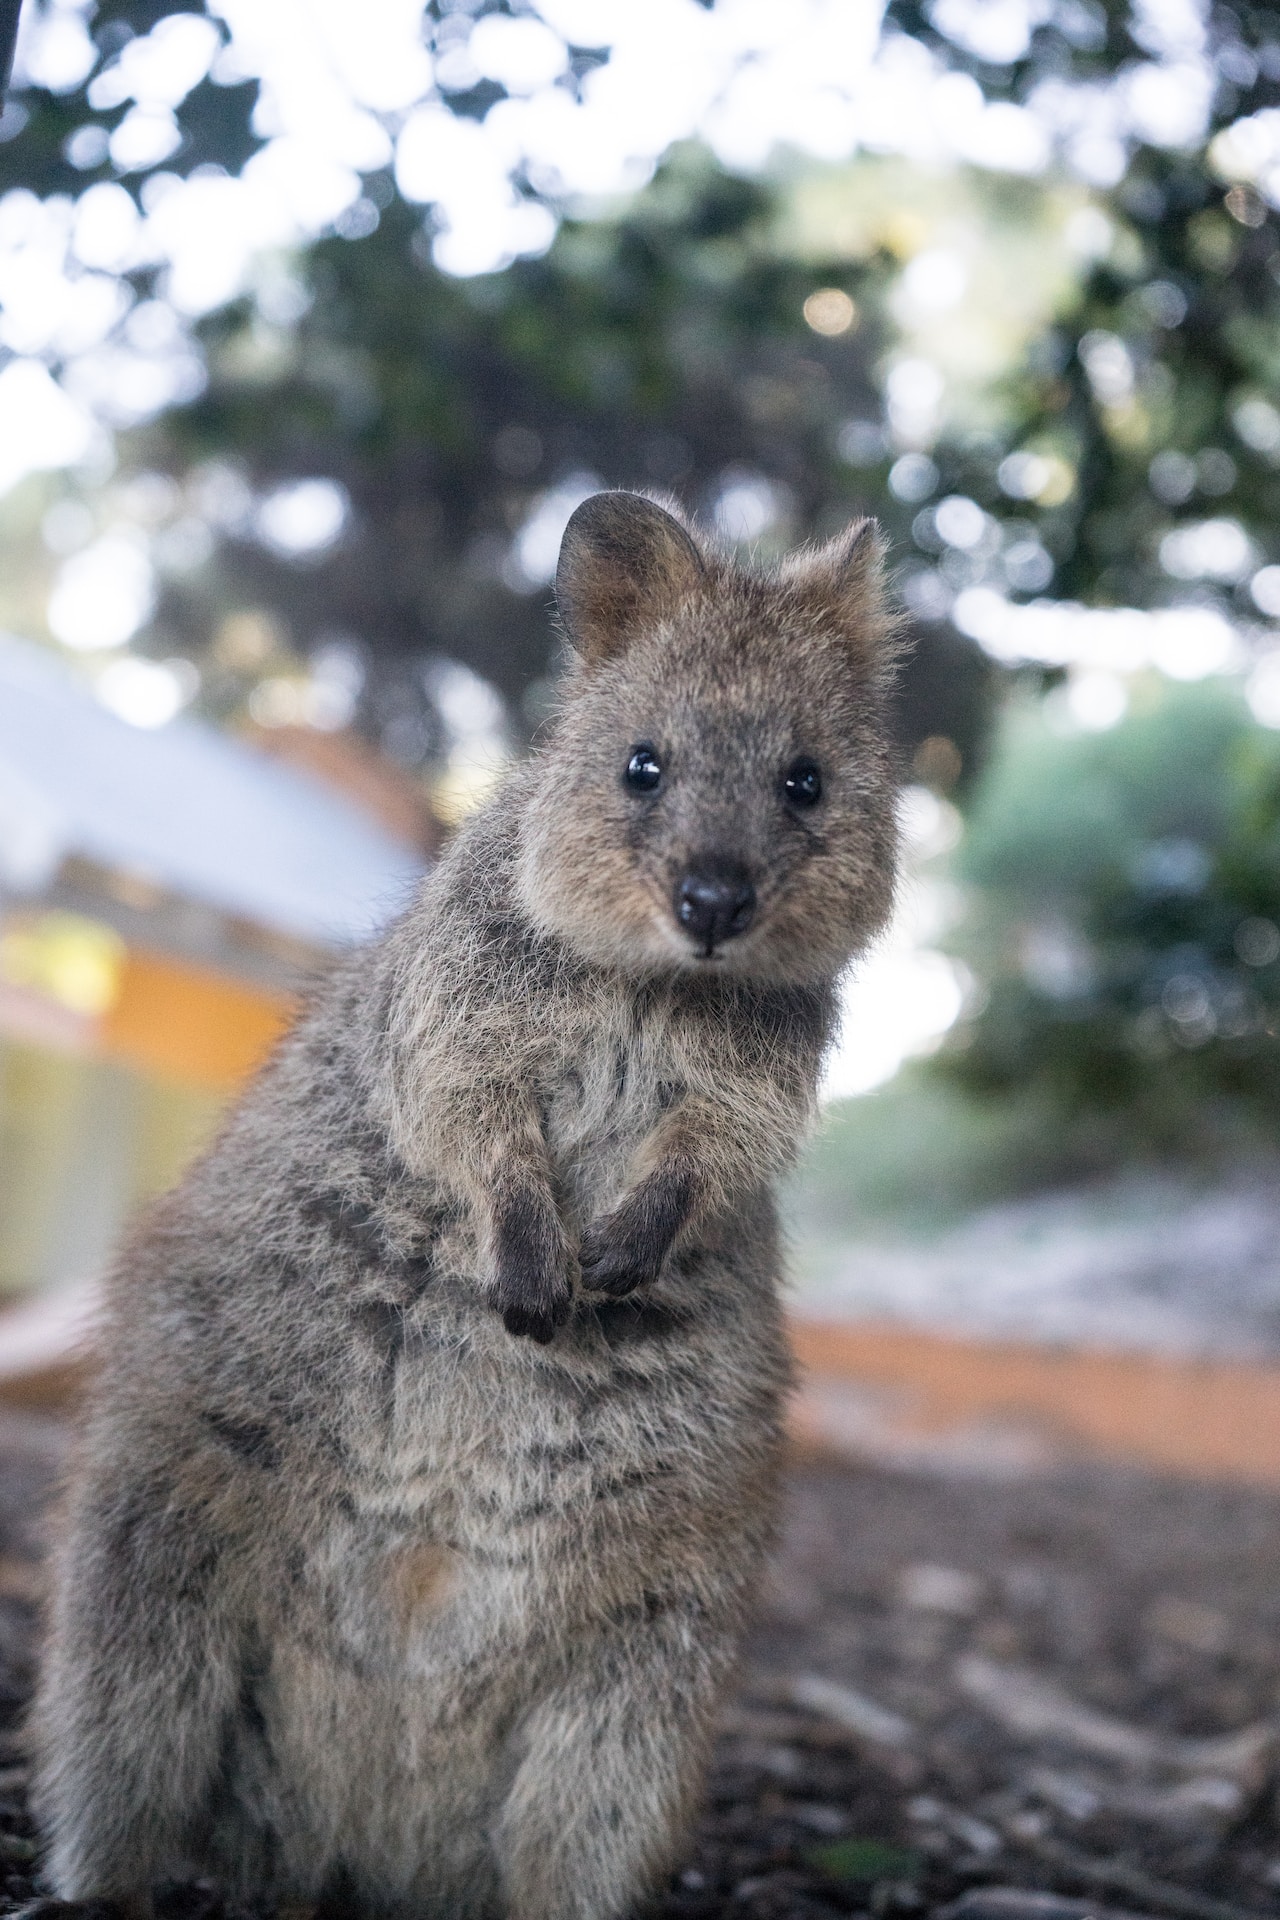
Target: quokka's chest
column 618, row 1071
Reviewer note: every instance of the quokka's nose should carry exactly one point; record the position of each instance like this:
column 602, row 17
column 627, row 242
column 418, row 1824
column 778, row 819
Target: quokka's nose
column 715, row 901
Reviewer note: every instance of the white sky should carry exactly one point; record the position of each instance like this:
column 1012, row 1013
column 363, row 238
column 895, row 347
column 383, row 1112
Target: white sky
column 905, row 995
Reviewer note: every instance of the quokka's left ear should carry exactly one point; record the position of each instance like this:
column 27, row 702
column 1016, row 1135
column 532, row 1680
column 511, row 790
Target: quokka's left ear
column 843, row 582
column 624, row 561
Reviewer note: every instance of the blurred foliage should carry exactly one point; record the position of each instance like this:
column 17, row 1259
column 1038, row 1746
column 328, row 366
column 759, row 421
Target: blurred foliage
column 663, row 344
column 444, row 405
column 216, row 119
column 1142, row 388
column 660, row 344
column 863, row 1169
column 1124, row 919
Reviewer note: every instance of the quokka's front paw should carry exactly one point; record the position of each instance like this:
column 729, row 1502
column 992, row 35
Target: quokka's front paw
column 532, row 1303
column 616, row 1260
column 532, row 1275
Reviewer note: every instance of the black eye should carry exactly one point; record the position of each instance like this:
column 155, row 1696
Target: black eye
column 802, row 784
column 644, row 770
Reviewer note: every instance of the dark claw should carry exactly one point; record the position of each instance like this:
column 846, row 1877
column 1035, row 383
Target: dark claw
column 611, row 1266
column 532, row 1307
column 615, row 1276
column 528, row 1321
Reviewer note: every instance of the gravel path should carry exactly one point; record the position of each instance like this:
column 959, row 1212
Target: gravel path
column 1063, row 1685
column 1143, row 1262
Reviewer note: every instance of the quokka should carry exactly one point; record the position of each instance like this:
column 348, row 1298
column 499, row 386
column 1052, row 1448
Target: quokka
column 430, row 1465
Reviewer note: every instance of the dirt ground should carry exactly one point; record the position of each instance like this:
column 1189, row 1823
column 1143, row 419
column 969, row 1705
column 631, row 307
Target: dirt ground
column 963, row 1693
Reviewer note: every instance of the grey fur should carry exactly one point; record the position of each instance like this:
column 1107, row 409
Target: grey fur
column 361, row 1592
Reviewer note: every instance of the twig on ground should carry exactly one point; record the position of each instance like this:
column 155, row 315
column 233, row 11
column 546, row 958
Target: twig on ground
column 1036, row 1707
column 865, row 1719
column 1097, row 1872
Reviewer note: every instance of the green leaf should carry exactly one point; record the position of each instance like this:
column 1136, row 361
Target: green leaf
column 865, row 1860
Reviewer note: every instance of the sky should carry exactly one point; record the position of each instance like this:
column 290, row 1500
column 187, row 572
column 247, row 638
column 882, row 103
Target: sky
column 347, row 92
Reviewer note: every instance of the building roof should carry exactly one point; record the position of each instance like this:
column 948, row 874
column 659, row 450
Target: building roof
column 185, row 808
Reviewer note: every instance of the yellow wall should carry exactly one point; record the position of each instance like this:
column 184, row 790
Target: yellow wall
column 188, row 1024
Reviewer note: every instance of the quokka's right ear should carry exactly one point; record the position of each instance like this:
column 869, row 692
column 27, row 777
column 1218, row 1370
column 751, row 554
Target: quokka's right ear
column 843, row 582
column 624, row 561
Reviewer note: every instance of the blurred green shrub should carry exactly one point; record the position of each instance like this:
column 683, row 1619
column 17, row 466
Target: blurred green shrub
column 918, row 1154
column 1123, row 923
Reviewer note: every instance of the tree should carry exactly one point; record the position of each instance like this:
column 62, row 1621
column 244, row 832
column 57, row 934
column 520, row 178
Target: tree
column 8, row 39
column 1125, row 919
column 664, row 342
column 664, row 346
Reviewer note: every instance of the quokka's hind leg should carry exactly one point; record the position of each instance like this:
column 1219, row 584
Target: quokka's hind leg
column 610, row 1771
column 140, row 1674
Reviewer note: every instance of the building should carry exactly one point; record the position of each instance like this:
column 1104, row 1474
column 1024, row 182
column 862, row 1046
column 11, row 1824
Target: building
column 164, row 895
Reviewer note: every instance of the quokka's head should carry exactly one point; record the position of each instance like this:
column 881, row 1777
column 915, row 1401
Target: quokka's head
column 717, row 794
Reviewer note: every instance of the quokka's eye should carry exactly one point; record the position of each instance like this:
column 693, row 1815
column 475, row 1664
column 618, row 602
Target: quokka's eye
column 802, row 784
column 644, row 770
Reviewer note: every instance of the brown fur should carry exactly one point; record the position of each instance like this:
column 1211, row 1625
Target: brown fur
column 362, row 1596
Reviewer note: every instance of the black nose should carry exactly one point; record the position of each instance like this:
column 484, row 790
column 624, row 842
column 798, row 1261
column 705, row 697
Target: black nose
column 715, row 901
